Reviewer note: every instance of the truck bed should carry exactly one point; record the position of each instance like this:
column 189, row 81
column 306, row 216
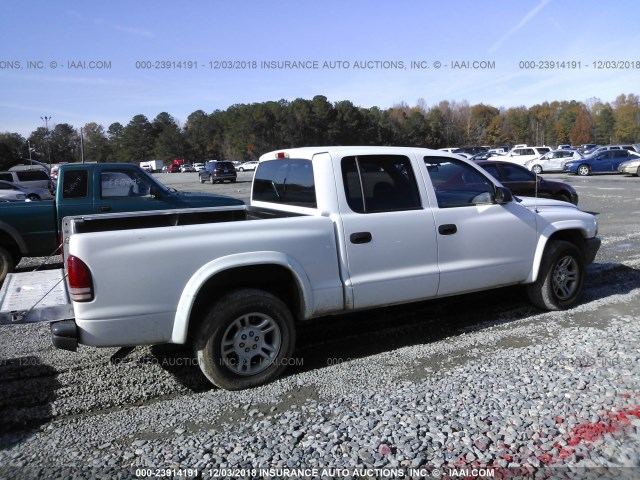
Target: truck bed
column 27, row 297
column 169, row 218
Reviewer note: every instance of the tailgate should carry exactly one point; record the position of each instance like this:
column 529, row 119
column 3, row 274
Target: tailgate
column 31, row 297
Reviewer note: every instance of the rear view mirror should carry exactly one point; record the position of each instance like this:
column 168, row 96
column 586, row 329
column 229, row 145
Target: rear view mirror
column 503, row 195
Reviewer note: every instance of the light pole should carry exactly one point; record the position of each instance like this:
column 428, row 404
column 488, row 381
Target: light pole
column 46, row 119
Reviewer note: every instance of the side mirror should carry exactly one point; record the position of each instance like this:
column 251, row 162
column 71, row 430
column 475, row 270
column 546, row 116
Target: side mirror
column 503, row 195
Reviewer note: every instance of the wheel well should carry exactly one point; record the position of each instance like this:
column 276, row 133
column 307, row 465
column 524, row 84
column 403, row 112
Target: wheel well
column 275, row 279
column 8, row 242
column 573, row 236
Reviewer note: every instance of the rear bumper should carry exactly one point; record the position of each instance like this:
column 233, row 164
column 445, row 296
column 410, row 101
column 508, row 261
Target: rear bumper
column 591, row 246
column 64, row 335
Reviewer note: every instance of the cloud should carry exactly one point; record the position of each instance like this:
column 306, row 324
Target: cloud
column 532, row 13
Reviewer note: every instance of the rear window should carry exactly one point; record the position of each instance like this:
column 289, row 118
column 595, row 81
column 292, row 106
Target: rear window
column 31, row 175
column 288, row 182
column 75, row 184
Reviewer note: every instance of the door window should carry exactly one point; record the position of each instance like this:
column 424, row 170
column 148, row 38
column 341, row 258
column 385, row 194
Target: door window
column 458, row 184
column 379, row 183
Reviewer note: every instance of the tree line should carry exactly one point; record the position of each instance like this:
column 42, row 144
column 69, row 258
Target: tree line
column 245, row 131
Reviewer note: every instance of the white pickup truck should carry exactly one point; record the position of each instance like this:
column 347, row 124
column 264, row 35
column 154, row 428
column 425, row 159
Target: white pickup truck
column 329, row 230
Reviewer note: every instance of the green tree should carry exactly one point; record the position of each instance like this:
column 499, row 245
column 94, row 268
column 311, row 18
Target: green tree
column 64, row 143
column 95, row 143
column 627, row 116
column 137, row 140
column 115, row 135
column 168, row 139
column 605, row 123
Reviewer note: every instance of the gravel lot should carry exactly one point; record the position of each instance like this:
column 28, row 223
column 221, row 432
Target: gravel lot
column 480, row 382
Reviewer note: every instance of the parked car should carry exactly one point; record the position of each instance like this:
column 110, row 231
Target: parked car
column 252, row 165
column 470, row 150
column 198, row 166
column 173, row 168
column 520, row 155
column 187, row 167
column 36, row 178
column 484, row 156
column 24, row 192
column 587, row 148
column 553, row 161
column 523, row 182
column 218, row 171
column 632, row 167
column 10, row 194
column 605, row 161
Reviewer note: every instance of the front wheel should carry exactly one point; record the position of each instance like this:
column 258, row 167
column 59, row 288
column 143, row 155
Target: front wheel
column 240, row 169
column 560, row 278
column 246, row 340
column 584, row 170
column 537, row 169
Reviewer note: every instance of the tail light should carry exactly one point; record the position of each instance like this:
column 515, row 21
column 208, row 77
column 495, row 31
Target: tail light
column 80, row 281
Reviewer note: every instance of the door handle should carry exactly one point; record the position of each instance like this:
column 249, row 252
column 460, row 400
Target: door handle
column 447, row 229
column 105, row 208
column 360, row 237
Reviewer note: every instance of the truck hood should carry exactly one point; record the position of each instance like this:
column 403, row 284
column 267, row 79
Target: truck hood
column 207, row 199
column 547, row 203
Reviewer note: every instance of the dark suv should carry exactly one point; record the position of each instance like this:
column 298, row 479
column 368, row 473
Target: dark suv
column 217, row 171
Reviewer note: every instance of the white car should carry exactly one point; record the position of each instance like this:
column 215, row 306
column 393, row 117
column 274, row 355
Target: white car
column 12, row 191
column 252, row 165
column 553, row 161
column 198, row 166
column 521, row 155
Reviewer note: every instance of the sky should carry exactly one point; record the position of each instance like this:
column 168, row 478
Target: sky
column 79, row 62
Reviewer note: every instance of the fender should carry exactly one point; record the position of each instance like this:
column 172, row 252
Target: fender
column 15, row 235
column 545, row 235
column 211, row 269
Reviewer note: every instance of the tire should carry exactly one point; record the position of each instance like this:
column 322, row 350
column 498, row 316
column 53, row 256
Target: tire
column 560, row 278
column 240, row 169
column 201, row 179
column 211, row 180
column 537, row 169
column 237, row 321
column 583, row 170
column 7, row 263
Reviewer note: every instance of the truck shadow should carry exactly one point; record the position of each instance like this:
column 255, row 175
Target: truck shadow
column 27, row 392
column 324, row 341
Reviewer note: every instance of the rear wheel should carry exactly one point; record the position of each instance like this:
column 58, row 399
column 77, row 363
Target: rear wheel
column 560, row 278
column 537, row 169
column 7, row 263
column 246, row 340
column 584, row 170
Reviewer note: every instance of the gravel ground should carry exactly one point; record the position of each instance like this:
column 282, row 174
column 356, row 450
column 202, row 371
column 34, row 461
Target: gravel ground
column 480, row 384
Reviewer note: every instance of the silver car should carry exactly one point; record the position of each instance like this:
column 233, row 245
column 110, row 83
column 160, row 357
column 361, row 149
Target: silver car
column 552, row 161
column 13, row 191
column 632, row 167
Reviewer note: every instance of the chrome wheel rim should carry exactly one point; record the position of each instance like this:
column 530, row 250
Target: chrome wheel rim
column 583, row 170
column 566, row 276
column 250, row 344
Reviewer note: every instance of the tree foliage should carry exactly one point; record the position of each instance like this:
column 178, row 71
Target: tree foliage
column 245, row 131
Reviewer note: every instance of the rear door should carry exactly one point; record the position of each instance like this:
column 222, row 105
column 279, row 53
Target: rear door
column 388, row 232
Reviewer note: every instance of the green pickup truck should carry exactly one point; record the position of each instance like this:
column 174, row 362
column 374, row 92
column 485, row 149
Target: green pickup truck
column 32, row 229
